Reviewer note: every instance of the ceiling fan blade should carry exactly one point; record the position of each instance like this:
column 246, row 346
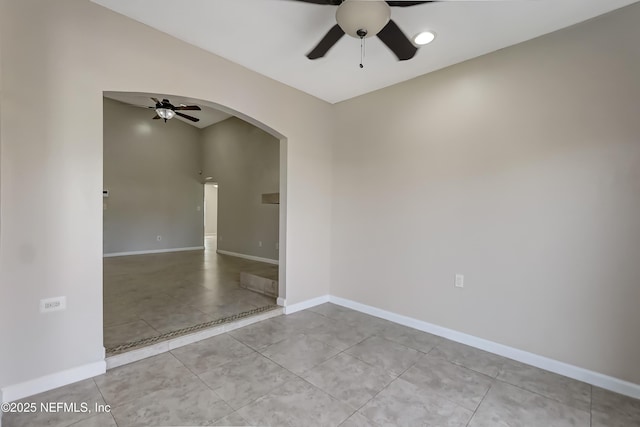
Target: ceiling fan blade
column 157, row 117
column 193, row 119
column 155, row 100
column 407, row 3
column 331, row 38
column 394, row 38
column 188, row 107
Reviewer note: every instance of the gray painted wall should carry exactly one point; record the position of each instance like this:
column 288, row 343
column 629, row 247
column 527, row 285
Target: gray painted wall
column 519, row 169
column 244, row 161
column 151, row 172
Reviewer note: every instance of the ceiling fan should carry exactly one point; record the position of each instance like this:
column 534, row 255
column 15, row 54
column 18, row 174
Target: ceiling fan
column 363, row 19
column 165, row 110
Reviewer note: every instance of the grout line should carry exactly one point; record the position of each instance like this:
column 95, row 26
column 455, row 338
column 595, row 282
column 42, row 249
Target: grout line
column 481, row 400
column 591, row 406
column 542, row 395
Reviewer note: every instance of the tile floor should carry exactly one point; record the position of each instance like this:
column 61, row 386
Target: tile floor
column 330, row 366
column 149, row 295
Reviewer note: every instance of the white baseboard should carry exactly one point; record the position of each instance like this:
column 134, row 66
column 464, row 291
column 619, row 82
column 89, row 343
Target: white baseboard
column 49, row 382
column 251, row 257
column 594, row 378
column 289, row 309
column 154, row 251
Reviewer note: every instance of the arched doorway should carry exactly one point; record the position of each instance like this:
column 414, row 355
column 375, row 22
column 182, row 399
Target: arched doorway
column 159, row 280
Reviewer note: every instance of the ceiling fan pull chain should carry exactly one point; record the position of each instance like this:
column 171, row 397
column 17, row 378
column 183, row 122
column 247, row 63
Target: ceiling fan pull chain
column 362, row 51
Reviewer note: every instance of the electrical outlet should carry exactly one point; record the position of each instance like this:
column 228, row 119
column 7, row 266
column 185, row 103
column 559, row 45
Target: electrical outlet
column 459, row 282
column 260, row 243
column 53, row 304
column 158, row 238
column 198, row 208
column 277, row 246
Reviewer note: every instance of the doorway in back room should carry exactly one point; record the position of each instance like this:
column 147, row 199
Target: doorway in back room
column 211, row 215
column 190, row 241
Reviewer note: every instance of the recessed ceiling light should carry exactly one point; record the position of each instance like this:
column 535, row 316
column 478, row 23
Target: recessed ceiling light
column 424, row 37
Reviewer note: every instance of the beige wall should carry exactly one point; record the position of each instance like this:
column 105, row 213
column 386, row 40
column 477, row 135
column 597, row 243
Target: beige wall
column 151, row 171
column 244, row 161
column 58, row 58
column 519, row 169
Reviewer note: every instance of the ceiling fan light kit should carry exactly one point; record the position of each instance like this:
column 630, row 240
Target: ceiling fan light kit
column 363, row 19
column 165, row 113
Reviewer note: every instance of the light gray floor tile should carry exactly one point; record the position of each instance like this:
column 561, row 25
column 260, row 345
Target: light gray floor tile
column 104, row 419
column 303, row 320
column 218, row 310
column 409, row 337
column 299, row 353
column 189, row 403
column 171, row 319
column 338, row 334
column 211, row 353
column 456, row 383
column 331, row 311
column 125, row 383
column 404, row 404
column 261, row 335
column 177, row 290
column 469, row 357
column 78, row 393
column 296, row 403
column 393, row 357
column 506, row 405
column 246, row 379
column 357, row 420
column 352, row 317
column 114, row 314
column 232, row 420
column 566, row 390
column 127, row 332
column 610, row 409
column 349, row 379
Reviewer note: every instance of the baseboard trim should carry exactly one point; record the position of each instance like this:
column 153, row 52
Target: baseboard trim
column 281, row 302
column 154, row 251
column 303, row 305
column 594, row 378
column 251, row 257
column 49, row 382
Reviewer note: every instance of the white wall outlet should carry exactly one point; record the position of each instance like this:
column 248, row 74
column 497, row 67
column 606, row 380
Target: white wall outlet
column 53, row 304
column 459, row 282
column 277, row 246
column 260, row 243
column 198, row 208
column 158, row 238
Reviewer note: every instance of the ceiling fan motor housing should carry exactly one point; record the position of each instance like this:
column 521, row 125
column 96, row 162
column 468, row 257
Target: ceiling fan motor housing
column 356, row 17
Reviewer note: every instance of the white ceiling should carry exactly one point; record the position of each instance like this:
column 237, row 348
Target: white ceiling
column 207, row 116
column 272, row 37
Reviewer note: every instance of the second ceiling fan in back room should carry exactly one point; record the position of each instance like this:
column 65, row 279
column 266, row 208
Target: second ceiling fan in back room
column 166, row 110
